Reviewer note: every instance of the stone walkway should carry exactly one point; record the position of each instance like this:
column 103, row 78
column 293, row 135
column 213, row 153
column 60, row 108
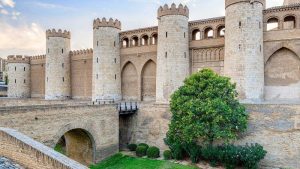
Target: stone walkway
column 6, row 163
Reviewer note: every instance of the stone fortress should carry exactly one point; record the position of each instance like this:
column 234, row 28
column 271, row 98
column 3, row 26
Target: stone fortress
column 259, row 51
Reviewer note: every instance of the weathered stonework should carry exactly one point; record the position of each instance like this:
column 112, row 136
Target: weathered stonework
column 172, row 55
column 19, row 77
column 48, row 123
column 244, row 48
column 106, row 61
column 58, row 80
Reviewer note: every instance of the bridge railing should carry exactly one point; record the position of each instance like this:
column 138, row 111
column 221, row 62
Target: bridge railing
column 127, row 107
column 103, row 101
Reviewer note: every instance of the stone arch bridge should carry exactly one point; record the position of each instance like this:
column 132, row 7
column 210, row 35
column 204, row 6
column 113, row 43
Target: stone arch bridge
column 89, row 133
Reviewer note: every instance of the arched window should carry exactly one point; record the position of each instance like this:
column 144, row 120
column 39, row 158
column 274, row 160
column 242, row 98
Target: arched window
column 208, row 33
column 196, row 35
column 154, row 39
column 272, row 24
column 125, row 43
column 135, row 41
column 221, row 31
column 144, row 40
column 289, row 22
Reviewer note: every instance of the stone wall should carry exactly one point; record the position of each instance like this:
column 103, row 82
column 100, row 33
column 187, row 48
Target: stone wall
column 244, row 47
column 275, row 126
column 81, row 73
column 47, row 124
column 58, row 75
column 106, row 64
column 32, row 154
column 172, row 55
column 19, row 82
column 37, row 72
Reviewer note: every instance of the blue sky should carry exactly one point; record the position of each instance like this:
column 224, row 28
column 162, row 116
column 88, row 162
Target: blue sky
column 23, row 22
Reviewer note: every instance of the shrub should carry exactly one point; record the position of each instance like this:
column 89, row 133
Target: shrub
column 176, row 148
column 153, row 152
column 230, row 156
column 206, row 108
column 141, row 151
column 144, row 144
column 193, row 150
column 211, row 154
column 167, row 155
column 132, row 147
column 251, row 155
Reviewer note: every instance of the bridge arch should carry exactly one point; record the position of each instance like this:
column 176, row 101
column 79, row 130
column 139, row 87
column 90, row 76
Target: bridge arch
column 77, row 142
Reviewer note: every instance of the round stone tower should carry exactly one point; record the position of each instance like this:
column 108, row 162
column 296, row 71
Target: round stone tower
column 57, row 80
column 244, row 60
column 172, row 50
column 106, row 60
column 18, row 77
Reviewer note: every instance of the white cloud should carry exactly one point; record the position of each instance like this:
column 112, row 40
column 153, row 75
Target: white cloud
column 9, row 3
column 4, row 12
column 52, row 6
column 15, row 15
column 22, row 38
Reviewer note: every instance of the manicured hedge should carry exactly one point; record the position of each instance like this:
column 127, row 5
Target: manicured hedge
column 153, row 152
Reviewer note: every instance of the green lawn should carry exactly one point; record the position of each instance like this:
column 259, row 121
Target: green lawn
column 120, row 161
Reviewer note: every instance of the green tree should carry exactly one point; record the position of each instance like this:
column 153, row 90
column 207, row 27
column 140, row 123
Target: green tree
column 206, row 109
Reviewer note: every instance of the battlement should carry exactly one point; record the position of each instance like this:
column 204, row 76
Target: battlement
column 38, row 57
column 104, row 23
column 165, row 10
column 231, row 2
column 59, row 33
column 18, row 59
column 81, row 54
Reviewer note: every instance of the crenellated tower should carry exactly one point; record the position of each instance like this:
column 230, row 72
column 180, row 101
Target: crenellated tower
column 106, row 60
column 18, row 76
column 244, row 60
column 172, row 51
column 57, row 79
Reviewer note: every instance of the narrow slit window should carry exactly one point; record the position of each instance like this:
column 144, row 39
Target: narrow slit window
column 240, row 24
column 115, row 77
column 24, row 69
column 166, row 54
column 15, row 80
column 62, row 65
column 114, row 43
column 63, row 79
column 47, row 79
column 62, row 50
column 184, row 54
column 184, row 35
column 97, row 43
column 48, row 50
column 24, row 81
column 97, row 60
column 166, row 34
column 115, row 60
column 15, row 68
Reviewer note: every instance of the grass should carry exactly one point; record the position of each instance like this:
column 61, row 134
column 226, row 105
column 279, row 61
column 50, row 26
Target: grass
column 120, row 161
column 59, row 148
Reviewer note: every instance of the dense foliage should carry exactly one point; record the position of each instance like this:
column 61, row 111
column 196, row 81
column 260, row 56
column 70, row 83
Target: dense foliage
column 132, row 147
column 232, row 156
column 206, row 108
column 153, row 152
column 144, row 144
column 167, row 155
column 141, row 151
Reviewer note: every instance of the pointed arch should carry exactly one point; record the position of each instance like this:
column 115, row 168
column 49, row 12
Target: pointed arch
column 282, row 75
column 149, row 81
column 129, row 82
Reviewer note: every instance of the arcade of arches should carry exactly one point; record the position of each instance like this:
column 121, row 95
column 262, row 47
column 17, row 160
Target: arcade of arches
column 131, row 77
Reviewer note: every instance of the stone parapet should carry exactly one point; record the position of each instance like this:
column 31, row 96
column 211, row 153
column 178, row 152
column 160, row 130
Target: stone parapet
column 104, row 23
column 81, row 54
column 18, row 59
column 165, row 10
column 59, row 33
column 31, row 153
column 230, row 2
